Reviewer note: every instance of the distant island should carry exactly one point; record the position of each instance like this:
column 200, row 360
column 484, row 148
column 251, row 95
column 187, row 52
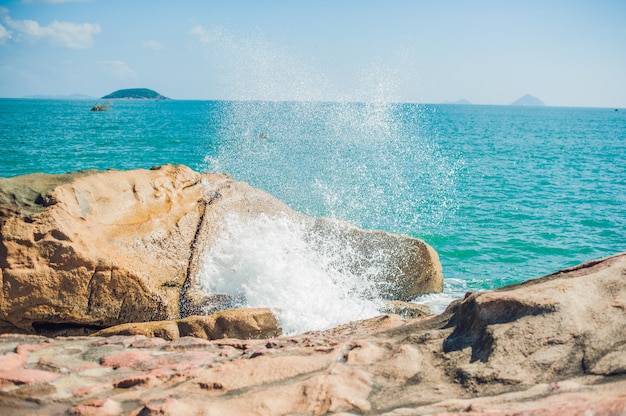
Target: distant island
column 135, row 94
column 462, row 101
column 529, row 101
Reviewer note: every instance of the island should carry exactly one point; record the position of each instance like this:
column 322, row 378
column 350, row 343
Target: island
column 462, row 101
column 135, row 94
column 528, row 101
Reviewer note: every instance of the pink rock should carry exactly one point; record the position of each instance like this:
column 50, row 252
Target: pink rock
column 28, row 376
column 98, row 407
column 143, row 379
column 148, row 342
column 183, row 361
column 228, row 351
column 11, row 361
column 116, row 340
column 87, row 366
column 187, row 344
column 26, row 349
column 89, row 390
column 138, row 360
column 63, row 365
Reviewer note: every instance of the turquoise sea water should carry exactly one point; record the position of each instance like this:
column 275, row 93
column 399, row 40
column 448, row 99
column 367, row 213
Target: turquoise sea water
column 503, row 193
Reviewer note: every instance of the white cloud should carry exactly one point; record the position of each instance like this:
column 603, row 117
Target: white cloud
column 4, row 35
column 152, row 44
column 119, row 69
column 66, row 34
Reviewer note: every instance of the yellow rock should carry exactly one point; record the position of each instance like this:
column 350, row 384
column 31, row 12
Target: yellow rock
column 244, row 323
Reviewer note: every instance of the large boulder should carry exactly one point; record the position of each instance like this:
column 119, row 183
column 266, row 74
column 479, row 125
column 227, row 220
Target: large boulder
column 83, row 251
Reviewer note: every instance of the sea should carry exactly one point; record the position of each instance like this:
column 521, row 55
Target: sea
column 503, row 193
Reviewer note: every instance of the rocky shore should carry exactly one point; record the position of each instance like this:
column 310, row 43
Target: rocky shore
column 551, row 346
column 110, row 260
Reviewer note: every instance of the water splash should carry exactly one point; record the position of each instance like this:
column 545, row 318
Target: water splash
column 361, row 162
column 368, row 163
column 272, row 262
column 253, row 68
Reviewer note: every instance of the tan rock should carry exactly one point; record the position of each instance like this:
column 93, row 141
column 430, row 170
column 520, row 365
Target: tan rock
column 84, row 251
column 406, row 309
column 167, row 330
column 101, row 249
column 417, row 269
column 246, row 323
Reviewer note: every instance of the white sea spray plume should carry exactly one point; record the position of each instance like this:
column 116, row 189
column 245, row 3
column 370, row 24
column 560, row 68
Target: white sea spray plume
column 273, row 262
column 347, row 151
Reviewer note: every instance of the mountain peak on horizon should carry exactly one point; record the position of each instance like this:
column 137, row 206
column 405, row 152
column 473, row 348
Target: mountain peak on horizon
column 529, row 101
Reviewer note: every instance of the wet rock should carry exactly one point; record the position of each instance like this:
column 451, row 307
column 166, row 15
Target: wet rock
column 406, row 309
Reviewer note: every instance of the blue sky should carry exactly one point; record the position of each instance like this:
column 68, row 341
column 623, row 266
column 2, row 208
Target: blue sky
column 568, row 53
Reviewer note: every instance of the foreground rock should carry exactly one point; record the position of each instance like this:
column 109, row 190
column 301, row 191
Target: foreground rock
column 551, row 346
column 250, row 323
column 85, row 251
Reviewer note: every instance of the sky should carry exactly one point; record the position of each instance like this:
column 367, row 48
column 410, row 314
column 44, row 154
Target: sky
column 566, row 52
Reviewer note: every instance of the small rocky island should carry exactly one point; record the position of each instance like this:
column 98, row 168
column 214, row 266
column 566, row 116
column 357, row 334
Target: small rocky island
column 135, row 94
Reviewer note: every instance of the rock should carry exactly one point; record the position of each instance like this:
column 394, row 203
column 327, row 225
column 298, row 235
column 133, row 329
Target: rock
column 233, row 323
column 565, row 324
column 375, row 248
column 104, row 407
column 27, row 376
column 100, row 107
column 553, row 345
column 84, row 251
column 406, row 309
column 98, row 249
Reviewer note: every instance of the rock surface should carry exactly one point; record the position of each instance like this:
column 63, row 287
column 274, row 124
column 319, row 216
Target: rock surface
column 85, row 251
column 249, row 323
column 550, row 346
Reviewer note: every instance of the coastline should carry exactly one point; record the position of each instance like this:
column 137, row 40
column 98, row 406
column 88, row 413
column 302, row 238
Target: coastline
column 551, row 345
